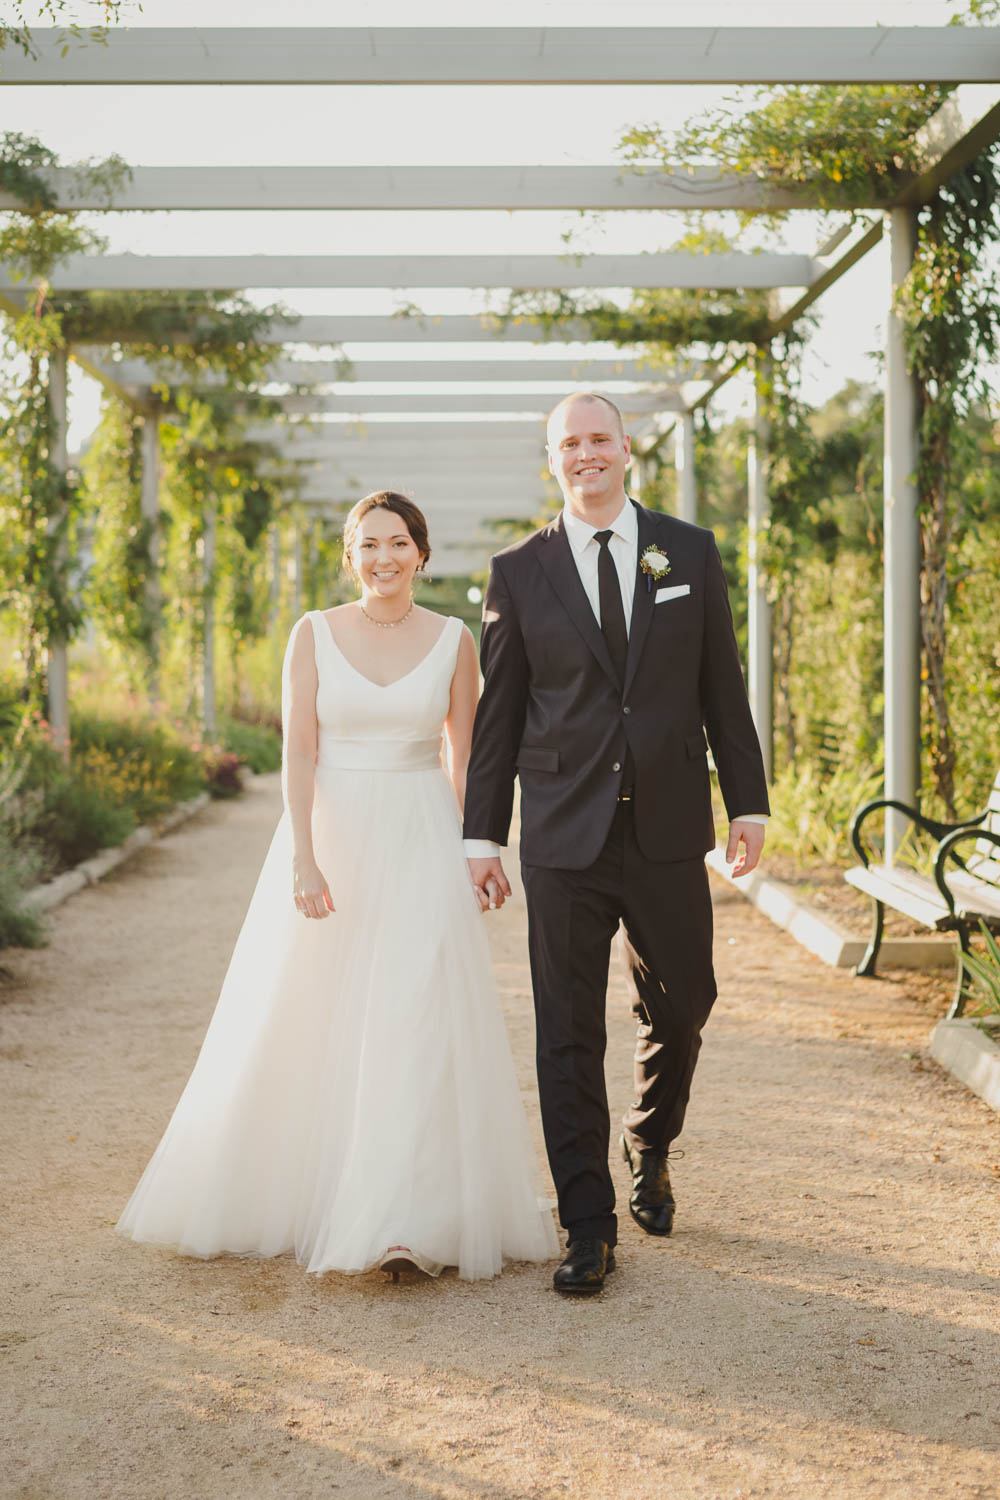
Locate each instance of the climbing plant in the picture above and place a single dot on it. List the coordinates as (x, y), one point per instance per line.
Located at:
(950, 304)
(184, 336)
(844, 146)
(15, 29)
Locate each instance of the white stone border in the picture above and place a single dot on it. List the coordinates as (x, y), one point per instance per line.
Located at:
(44, 897)
(970, 1055)
(820, 934)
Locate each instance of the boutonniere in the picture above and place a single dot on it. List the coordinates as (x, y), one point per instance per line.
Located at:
(655, 564)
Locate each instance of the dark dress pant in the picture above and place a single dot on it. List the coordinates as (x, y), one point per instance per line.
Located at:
(573, 916)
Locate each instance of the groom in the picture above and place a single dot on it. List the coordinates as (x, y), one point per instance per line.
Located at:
(608, 652)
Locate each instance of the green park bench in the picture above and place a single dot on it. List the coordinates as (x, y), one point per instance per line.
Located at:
(964, 888)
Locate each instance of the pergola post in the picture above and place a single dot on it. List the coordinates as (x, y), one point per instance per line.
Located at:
(297, 569)
(636, 476)
(275, 568)
(57, 662)
(208, 621)
(150, 509)
(901, 599)
(687, 481)
(760, 662)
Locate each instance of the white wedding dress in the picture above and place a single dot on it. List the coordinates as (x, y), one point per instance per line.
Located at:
(355, 1090)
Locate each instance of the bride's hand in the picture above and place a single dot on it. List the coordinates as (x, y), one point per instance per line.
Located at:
(310, 891)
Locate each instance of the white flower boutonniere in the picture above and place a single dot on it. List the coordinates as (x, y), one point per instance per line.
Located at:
(655, 564)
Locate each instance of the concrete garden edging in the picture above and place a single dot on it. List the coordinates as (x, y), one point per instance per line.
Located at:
(971, 1055)
(820, 934)
(53, 892)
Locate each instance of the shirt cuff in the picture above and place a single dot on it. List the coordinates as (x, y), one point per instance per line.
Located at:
(481, 849)
(751, 818)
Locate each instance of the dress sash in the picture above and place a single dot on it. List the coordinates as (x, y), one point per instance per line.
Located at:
(379, 755)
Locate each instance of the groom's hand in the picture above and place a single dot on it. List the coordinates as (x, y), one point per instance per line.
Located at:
(751, 836)
(492, 885)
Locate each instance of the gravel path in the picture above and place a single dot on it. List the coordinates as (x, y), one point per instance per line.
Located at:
(824, 1322)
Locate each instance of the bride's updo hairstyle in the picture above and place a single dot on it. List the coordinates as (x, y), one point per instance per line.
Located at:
(411, 516)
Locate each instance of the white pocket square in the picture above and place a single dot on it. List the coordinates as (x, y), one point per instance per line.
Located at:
(678, 590)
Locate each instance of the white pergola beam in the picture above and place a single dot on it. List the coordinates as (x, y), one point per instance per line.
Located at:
(390, 432)
(514, 55)
(522, 403)
(452, 328)
(434, 456)
(81, 273)
(392, 188)
(388, 371)
(480, 490)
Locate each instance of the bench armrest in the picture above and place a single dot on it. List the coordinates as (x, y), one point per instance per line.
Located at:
(939, 830)
(946, 851)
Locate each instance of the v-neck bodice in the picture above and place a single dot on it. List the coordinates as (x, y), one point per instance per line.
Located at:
(370, 726)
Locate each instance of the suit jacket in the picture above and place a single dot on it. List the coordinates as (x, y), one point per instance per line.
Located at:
(553, 714)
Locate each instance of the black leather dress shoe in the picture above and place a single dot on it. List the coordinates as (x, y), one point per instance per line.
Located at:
(651, 1202)
(585, 1267)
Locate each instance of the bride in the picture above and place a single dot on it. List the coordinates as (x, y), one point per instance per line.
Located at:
(354, 1100)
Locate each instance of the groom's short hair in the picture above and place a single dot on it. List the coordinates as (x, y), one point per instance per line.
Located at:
(588, 396)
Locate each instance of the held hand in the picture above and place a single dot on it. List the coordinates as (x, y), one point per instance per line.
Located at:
(490, 882)
(310, 891)
(751, 836)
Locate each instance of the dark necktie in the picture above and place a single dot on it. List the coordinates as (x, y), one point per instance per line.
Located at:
(610, 600)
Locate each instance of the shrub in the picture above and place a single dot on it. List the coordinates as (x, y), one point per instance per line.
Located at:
(137, 765)
(257, 745)
(20, 863)
(77, 820)
(222, 772)
(811, 811)
(983, 969)
(20, 926)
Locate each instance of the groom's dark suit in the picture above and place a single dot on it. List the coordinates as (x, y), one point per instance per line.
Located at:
(554, 714)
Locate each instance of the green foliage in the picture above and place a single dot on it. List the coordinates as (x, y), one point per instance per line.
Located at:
(117, 591)
(222, 773)
(38, 506)
(77, 819)
(983, 972)
(255, 745)
(37, 237)
(20, 925)
(182, 334)
(137, 764)
(16, 32)
(850, 145)
(811, 811)
(949, 303)
(20, 862)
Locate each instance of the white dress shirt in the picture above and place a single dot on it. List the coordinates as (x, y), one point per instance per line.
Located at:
(624, 548)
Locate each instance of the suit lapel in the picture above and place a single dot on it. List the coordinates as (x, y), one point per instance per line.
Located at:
(557, 561)
(642, 599)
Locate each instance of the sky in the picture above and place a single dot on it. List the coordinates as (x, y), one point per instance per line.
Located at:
(432, 125)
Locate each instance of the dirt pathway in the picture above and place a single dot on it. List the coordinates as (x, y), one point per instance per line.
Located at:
(824, 1322)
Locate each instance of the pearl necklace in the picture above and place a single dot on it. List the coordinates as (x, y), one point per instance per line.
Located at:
(387, 624)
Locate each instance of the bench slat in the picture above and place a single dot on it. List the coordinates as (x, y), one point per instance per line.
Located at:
(972, 897)
(904, 891)
(986, 867)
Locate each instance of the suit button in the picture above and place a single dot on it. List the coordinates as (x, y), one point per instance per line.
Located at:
(617, 766)
(626, 709)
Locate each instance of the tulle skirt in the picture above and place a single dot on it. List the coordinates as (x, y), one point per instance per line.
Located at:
(355, 1089)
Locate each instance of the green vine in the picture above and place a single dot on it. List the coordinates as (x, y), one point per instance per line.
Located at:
(845, 147)
(16, 32)
(182, 336)
(951, 312)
